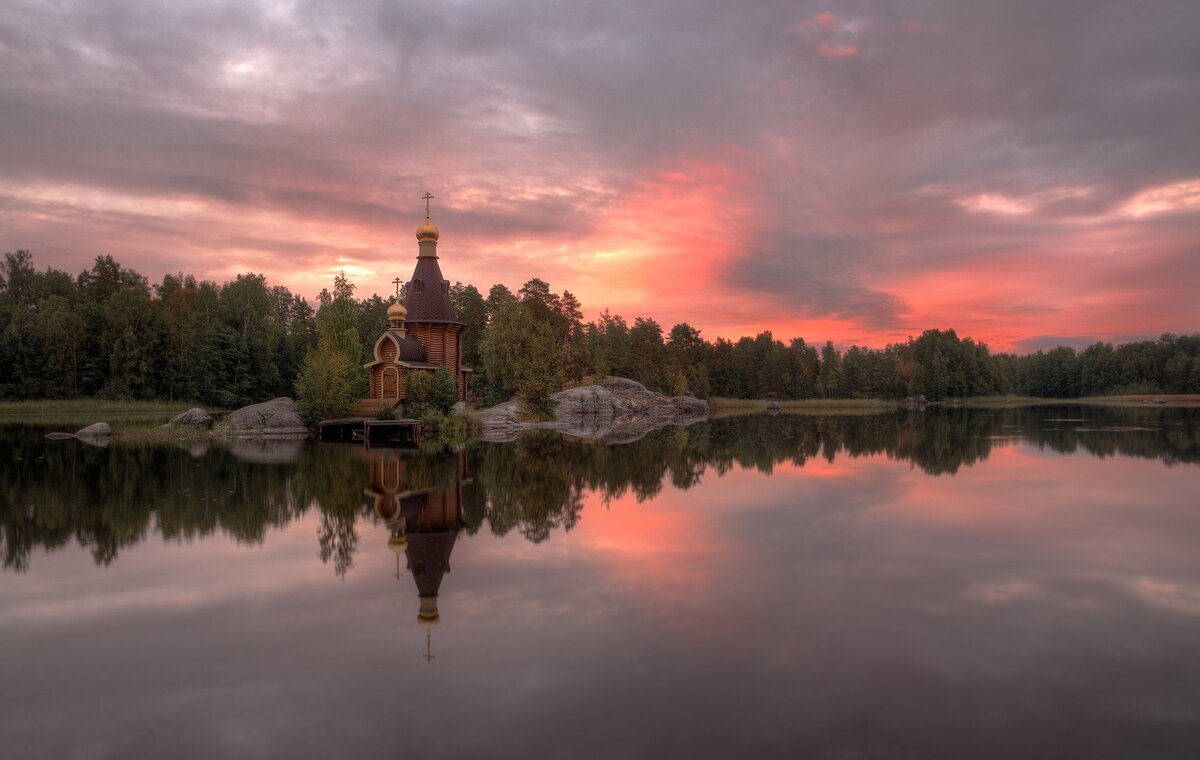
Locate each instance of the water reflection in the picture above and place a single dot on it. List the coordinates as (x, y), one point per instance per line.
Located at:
(113, 498)
(422, 509)
(1027, 586)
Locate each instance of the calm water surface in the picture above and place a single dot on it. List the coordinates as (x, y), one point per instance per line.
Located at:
(950, 584)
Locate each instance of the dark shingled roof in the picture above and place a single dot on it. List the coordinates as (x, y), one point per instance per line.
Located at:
(411, 349)
(429, 558)
(428, 295)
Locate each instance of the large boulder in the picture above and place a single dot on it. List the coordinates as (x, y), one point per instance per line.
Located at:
(277, 418)
(195, 417)
(96, 430)
(632, 399)
(501, 415)
(615, 411)
(590, 403)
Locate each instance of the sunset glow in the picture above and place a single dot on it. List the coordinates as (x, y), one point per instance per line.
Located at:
(851, 173)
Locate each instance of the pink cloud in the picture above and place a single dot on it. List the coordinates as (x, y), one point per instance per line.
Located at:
(1165, 199)
(837, 51)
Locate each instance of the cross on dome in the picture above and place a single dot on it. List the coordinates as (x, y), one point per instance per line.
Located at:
(427, 233)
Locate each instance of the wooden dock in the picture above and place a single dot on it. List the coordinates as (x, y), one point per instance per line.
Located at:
(371, 432)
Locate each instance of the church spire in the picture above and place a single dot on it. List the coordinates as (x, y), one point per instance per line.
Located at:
(427, 234)
(428, 293)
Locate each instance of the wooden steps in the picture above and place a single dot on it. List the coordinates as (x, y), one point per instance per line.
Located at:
(369, 407)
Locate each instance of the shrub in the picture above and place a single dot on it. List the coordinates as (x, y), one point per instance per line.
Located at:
(431, 392)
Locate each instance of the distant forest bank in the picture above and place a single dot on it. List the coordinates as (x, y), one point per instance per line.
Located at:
(108, 333)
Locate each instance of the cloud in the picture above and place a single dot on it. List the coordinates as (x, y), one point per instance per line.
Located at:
(996, 204)
(814, 276)
(931, 138)
(1177, 196)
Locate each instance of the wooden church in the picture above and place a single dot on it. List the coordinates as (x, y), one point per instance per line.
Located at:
(423, 331)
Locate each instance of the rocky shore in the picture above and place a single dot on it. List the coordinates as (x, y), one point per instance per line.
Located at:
(277, 418)
(616, 411)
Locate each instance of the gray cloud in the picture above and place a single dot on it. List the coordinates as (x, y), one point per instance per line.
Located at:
(549, 113)
(816, 276)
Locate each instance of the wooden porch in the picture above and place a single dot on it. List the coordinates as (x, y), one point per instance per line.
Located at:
(371, 432)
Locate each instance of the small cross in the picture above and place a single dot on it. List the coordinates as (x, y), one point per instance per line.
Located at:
(428, 644)
(426, 198)
(396, 282)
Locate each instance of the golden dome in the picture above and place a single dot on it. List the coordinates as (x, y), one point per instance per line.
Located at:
(397, 544)
(427, 232)
(397, 311)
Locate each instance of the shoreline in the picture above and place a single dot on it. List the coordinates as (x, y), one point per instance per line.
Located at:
(143, 421)
(869, 406)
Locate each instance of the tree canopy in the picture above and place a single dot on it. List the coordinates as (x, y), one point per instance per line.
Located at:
(107, 332)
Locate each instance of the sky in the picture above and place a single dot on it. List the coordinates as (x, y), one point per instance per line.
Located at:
(1025, 172)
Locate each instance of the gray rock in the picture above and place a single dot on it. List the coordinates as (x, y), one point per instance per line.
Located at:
(195, 417)
(591, 403)
(277, 418)
(96, 430)
(616, 411)
(501, 415)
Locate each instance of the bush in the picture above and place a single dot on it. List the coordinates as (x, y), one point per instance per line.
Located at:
(457, 428)
(431, 392)
(432, 420)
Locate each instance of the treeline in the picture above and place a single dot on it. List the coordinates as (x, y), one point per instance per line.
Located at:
(108, 332)
(539, 337)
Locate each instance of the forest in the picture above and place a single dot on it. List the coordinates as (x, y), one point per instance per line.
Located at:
(109, 333)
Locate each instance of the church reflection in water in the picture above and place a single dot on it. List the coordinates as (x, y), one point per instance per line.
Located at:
(422, 509)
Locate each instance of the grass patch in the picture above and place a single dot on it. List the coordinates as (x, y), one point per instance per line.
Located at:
(732, 407)
(812, 403)
(91, 406)
(452, 428)
(1189, 400)
(725, 407)
(832, 404)
(1138, 400)
(84, 411)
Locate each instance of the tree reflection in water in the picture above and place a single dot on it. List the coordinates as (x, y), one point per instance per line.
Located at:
(107, 499)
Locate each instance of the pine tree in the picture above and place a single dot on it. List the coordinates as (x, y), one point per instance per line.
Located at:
(333, 377)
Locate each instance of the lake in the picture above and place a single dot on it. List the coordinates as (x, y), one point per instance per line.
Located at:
(1019, 583)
